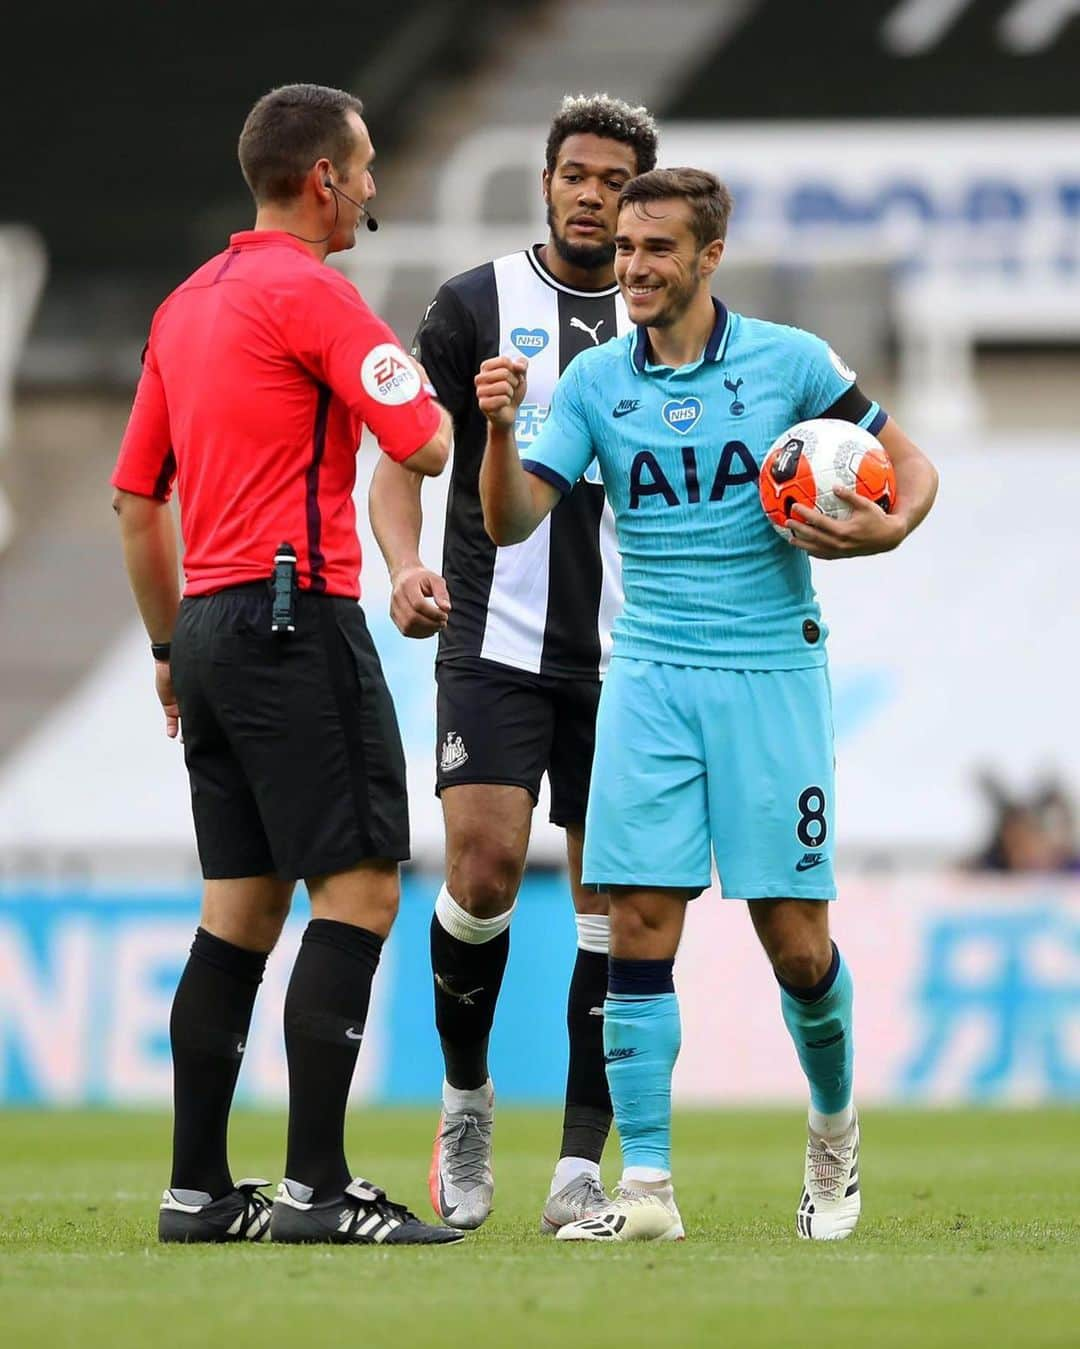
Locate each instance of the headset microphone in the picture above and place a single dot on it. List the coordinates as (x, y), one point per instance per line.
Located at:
(369, 219)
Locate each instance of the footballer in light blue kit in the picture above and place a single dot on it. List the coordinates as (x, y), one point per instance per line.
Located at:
(714, 734)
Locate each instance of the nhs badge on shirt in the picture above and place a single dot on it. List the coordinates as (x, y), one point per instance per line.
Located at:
(682, 414)
(529, 341)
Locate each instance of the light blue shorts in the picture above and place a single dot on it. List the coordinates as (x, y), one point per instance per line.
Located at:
(735, 763)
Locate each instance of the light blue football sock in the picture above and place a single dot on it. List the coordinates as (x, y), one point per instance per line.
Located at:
(642, 1035)
(819, 1020)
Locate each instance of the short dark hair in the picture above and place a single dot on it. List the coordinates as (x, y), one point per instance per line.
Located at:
(602, 115)
(710, 201)
(287, 130)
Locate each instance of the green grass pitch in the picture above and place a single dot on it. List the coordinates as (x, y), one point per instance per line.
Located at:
(970, 1236)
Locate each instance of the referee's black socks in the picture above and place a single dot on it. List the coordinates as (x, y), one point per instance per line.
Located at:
(208, 1028)
(326, 1007)
(468, 959)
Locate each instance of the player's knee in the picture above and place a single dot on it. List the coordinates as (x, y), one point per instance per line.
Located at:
(365, 896)
(485, 881)
(382, 907)
(269, 925)
(639, 932)
(278, 908)
(802, 963)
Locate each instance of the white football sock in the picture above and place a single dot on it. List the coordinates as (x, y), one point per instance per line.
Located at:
(593, 932)
(646, 1177)
(478, 1101)
(456, 920)
(569, 1168)
(832, 1126)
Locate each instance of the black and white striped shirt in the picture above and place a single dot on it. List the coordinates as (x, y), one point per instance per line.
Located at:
(545, 605)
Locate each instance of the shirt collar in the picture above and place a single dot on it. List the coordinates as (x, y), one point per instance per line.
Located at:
(250, 238)
(714, 347)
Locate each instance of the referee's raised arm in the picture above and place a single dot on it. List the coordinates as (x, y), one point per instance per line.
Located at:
(260, 374)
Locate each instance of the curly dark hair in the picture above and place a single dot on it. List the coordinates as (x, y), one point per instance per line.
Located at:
(287, 130)
(602, 115)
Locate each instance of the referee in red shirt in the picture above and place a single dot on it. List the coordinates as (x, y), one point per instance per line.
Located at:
(260, 373)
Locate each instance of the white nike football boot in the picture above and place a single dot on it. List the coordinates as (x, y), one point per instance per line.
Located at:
(830, 1203)
(460, 1181)
(632, 1215)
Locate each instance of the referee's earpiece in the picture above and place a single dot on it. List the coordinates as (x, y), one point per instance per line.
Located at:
(369, 219)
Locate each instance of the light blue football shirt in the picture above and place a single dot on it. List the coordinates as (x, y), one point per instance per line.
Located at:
(707, 579)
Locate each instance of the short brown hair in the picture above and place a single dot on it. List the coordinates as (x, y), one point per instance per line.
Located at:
(709, 199)
(287, 130)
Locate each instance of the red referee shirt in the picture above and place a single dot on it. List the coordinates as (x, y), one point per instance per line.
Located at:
(259, 375)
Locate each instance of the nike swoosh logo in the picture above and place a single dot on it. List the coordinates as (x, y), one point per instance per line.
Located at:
(351, 1034)
(808, 863)
(447, 1210)
(622, 412)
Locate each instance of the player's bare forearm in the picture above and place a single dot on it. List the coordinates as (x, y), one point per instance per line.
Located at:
(396, 513)
(916, 477)
(514, 501)
(430, 459)
(419, 600)
(150, 557)
(869, 530)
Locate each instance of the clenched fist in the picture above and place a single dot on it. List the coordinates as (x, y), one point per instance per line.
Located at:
(419, 602)
(500, 387)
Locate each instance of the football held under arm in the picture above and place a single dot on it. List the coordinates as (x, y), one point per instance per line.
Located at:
(831, 391)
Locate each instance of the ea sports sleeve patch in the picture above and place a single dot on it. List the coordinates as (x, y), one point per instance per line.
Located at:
(351, 349)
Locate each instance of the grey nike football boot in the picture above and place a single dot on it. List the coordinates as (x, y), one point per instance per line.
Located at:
(579, 1198)
(460, 1180)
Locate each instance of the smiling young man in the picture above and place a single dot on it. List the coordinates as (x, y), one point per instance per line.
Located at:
(714, 735)
(521, 651)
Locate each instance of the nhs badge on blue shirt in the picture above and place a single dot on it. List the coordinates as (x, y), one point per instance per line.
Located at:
(529, 341)
(682, 414)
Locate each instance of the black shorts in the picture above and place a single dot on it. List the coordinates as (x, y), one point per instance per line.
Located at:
(291, 742)
(501, 725)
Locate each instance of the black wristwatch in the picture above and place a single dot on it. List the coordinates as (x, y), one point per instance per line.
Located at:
(161, 651)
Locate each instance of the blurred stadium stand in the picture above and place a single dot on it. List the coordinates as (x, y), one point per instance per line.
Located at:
(888, 58)
(23, 268)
